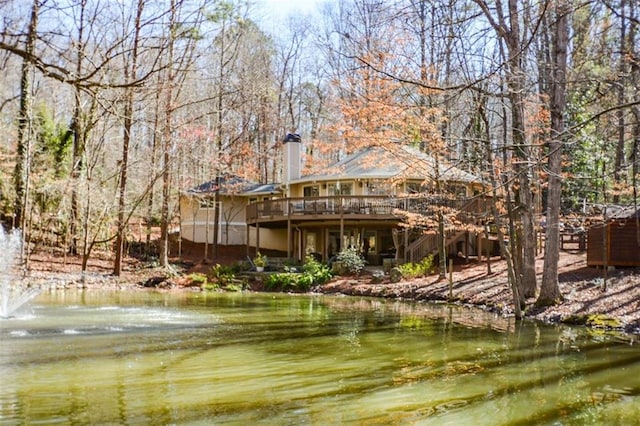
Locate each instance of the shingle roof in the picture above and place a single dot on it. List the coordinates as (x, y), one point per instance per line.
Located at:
(232, 184)
(390, 162)
(622, 212)
(376, 162)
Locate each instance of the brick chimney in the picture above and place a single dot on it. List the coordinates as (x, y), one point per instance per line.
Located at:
(292, 147)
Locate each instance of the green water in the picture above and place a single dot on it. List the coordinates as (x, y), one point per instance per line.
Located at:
(191, 358)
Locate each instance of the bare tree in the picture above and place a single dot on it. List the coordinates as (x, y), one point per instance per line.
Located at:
(506, 21)
(550, 291)
(131, 70)
(25, 122)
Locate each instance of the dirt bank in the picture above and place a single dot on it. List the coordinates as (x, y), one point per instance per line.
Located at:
(582, 287)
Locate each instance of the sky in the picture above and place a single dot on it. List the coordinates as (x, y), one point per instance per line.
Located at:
(278, 10)
(284, 7)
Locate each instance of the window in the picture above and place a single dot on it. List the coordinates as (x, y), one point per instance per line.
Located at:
(369, 243)
(311, 191)
(207, 202)
(340, 188)
(379, 188)
(311, 243)
(457, 189)
(413, 188)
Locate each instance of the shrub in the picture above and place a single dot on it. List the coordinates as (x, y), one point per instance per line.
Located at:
(235, 287)
(209, 286)
(222, 275)
(351, 260)
(318, 272)
(197, 279)
(281, 280)
(314, 273)
(415, 270)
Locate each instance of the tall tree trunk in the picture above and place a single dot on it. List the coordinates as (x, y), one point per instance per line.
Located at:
(78, 129)
(219, 142)
(126, 139)
(153, 164)
(635, 83)
(523, 167)
(25, 122)
(508, 29)
(550, 290)
(166, 142)
(505, 249)
(622, 69)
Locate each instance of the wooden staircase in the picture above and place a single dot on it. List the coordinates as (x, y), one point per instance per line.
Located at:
(428, 245)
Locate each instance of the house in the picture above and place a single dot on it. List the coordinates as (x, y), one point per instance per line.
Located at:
(358, 201)
(616, 242)
(233, 194)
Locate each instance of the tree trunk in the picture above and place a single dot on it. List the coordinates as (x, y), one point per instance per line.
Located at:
(518, 300)
(550, 290)
(25, 123)
(618, 171)
(166, 143)
(78, 130)
(152, 166)
(507, 28)
(127, 125)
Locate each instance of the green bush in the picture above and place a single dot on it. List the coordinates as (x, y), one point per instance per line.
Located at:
(351, 260)
(318, 272)
(210, 286)
(415, 270)
(221, 276)
(281, 281)
(235, 287)
(314, 273)
(197, 279)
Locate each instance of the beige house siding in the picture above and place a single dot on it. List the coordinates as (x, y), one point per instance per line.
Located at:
(233, 234)
(270, 239)
(197, 222)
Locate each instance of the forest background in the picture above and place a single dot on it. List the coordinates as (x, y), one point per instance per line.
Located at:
(109, 109)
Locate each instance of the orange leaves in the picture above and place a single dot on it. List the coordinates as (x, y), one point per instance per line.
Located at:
(377, 110)
(538, 118)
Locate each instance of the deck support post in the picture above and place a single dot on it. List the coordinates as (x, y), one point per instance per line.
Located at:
(289, 238)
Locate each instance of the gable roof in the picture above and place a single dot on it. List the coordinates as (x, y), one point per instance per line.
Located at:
(378, 162)
(233, 185)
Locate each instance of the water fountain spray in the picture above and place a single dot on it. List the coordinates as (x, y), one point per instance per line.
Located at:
(13, 293)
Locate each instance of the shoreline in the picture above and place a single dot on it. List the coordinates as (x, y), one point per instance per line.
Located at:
(584, 302)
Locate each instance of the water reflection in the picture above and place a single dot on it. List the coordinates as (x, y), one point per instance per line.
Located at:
(193, 358)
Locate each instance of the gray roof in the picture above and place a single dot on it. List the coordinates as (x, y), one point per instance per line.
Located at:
(232, 184)
(622, 212)
(394, 161)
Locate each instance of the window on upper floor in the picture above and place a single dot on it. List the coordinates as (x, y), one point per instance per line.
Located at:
(340, 188)
(311, 191)
(207, 202)
(413, 188)
(457, 189)
(379, 188)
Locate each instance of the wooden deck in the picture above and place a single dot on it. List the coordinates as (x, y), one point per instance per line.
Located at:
(278, 211)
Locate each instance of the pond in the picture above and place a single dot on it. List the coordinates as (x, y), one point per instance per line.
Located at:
(199, 358)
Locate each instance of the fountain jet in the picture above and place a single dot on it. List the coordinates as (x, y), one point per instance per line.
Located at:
(13, 293)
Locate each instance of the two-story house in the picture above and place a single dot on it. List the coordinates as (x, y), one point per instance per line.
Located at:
(357, 201)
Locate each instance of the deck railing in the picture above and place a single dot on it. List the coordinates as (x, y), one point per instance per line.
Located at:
(378, 205)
